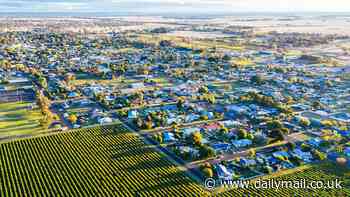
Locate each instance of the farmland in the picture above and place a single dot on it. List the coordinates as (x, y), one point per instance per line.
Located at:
(89, 162)
(111, 161)
(17, 119)
(325, 172)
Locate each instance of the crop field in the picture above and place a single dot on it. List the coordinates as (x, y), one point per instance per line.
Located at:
(16, 119)
(112, 161)
(89, 162)
(327, 172)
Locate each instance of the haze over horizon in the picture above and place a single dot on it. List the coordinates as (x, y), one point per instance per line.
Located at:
(172, 6)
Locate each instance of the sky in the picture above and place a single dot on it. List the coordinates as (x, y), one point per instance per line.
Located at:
(175, 6)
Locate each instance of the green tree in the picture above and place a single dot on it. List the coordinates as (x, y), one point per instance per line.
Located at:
(242, 133)
(196, 138)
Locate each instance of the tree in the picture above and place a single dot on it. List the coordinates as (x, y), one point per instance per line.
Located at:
(289, 100)
(305, 122)
(69, 77)
(197, 138)
(180, 103)
(43, 82)
(305, 147)
(319, 155)
(250, 136)
(291, 145)
(277, 134)
(242, 133)
(285, 131)
(159, 138)
(258, 79)
(149, 124)
(73, 118)
(328, 123)
(224, 130)
(317, 105)
(260, 140)
(252, 152)
(203, 90)
(139, 122)
(207, 170)
(268, 169)
(206, 152)
(210, 98)
(275, 124)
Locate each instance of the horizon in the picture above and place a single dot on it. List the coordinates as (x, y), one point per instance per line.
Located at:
(175, 15)
(158, 7)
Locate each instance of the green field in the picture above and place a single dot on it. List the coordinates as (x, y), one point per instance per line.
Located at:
(16, 119)
(89, 162)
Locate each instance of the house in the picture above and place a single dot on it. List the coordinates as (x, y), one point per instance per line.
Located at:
(175, 119)
(192, 151)
(305, 156)
(76, 126)
(314, 142)
(223, 172)
(72, 95)
(212, 127)
(221, 147)
(241, 143)
(96, 113)
(343, 117)
(105, 120)
(230, 123)
(236, 109)
(169, 107)
(191, 117)
(210, 115)
(247, 162)
(132, 114)
(168, 137)
(103, 69)
(137, 85)
(18, 80)
(321, 113)
(189, 131)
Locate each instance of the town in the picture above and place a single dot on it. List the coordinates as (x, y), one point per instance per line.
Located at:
(235, 106)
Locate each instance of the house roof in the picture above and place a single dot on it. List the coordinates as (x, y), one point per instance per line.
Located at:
(247, 162)
(280, 153)
(242, 142)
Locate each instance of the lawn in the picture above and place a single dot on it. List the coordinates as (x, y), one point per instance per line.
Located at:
(17, 119)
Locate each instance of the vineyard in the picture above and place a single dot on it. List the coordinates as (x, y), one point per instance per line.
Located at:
(89, 162)
(325, 172)
(110, 161)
